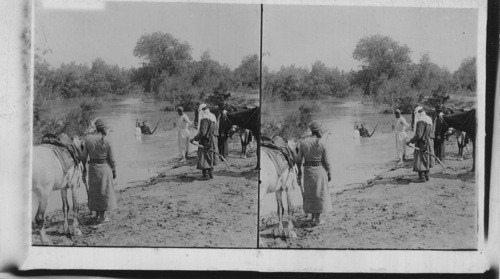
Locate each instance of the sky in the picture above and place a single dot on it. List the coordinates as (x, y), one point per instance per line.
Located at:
(300, 35)
(297, 35)
(229, 31)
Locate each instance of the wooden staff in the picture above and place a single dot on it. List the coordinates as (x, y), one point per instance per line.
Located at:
(437, 159)
(374, 129)
(222, 157)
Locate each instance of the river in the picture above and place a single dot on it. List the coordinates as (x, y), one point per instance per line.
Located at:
(139, 158)
(353, 161)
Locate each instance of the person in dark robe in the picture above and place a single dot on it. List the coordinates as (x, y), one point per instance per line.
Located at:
(145, 128)
(208, 141)
(101, 170)
(222, 136)
(437, 125)
(422, 160)
(317, 173)
(363, 132)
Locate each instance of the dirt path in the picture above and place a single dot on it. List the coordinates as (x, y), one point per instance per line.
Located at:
(393, 212)
(177, 209)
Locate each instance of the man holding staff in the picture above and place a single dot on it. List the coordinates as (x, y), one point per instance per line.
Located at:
(424, 149)
(207, 159)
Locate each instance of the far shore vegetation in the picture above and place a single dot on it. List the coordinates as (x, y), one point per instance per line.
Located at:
(168, 74)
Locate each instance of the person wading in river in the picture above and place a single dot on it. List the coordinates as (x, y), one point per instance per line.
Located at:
(363, 132)
(102, 171)
(145, 128)
(206, 138)
(184, 136)
(316, 174)
(422, 161)
(399, 128)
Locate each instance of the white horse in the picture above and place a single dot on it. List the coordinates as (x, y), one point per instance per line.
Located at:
(271, 181)
(48, 176)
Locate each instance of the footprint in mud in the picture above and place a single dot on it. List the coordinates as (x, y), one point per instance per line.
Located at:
(401, 180)
(186, 178)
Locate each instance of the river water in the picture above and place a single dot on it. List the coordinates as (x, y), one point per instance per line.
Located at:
(137, 157)
(353, 161)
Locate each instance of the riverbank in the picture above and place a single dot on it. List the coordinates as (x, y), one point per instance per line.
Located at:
(176, 209)
(391, 211)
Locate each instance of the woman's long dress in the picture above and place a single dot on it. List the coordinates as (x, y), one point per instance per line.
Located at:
(102, 195)
(316, 194)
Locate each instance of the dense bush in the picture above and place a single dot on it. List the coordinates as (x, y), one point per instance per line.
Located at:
(293, 126)
(75, 123)
(296, 83)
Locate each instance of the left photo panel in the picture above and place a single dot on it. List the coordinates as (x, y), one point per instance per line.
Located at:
(144, 124)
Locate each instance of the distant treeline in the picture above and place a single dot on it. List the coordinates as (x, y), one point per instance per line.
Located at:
(386, 74)
(167, 73)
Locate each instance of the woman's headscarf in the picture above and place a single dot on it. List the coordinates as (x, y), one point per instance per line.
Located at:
(209, 115)
(421, 116)
(315, 126)
(200, 114)
(204, 112)
(100, 124)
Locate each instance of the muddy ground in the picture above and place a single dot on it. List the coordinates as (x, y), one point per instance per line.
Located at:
(391, 211)
(176, 209)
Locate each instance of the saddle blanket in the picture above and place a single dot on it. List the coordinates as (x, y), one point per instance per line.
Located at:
(278, 159)
(278, 144)
(63, 155)
(68, 154)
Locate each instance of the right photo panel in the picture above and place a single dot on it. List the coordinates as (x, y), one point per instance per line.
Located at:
(368, 128)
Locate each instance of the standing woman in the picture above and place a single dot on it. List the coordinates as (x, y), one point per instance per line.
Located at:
(102, 171)
(206, 138)
(316, 174)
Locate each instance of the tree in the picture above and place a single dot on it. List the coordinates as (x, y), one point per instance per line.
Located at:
(162, 53)
(71, 79)
(380, 56)
(97, 79)
(247, 73)
(323, 81)
(287, 84)
(429, 78)
(465, 76)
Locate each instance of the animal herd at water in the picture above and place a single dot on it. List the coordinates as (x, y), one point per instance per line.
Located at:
(277, 175)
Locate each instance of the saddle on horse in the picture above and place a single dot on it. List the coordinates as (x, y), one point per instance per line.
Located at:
(277, 143)
(66, 151)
